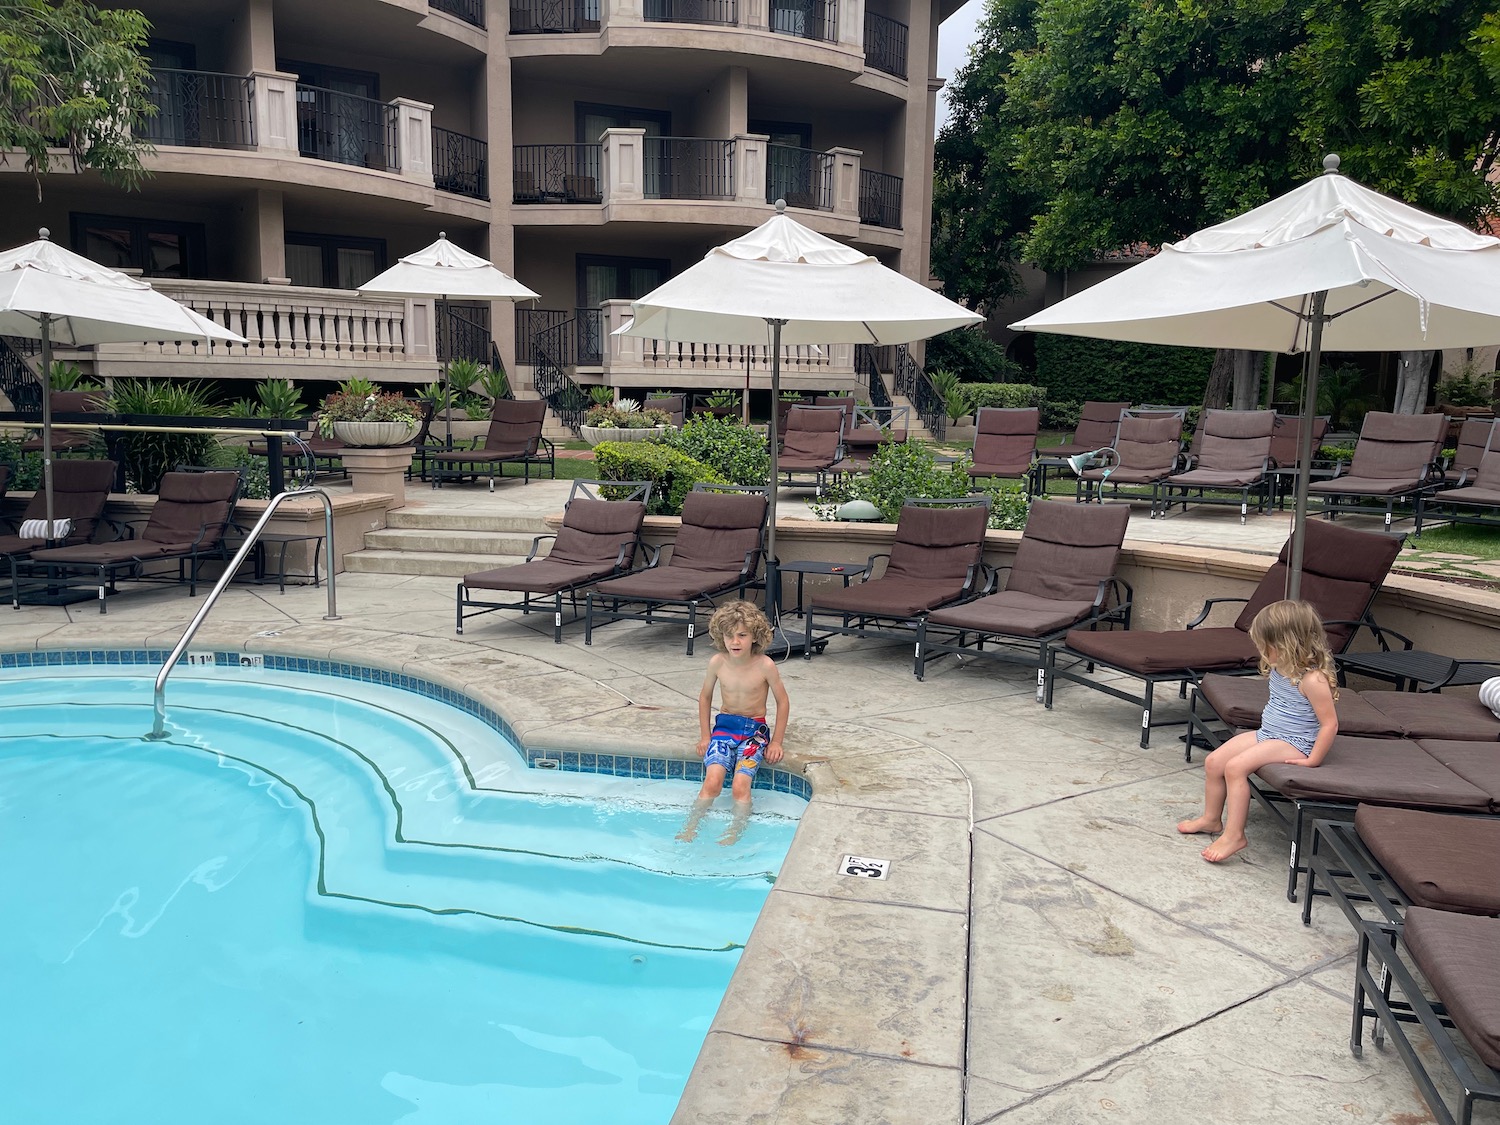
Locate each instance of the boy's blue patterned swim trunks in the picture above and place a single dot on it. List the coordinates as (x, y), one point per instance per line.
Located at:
(737, 743)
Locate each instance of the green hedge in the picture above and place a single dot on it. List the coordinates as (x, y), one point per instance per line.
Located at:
(1010, 396)
(672, 474)
(972, 356)
(1079, 369)
(736, 451)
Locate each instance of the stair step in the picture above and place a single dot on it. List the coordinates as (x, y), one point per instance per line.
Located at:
(451, 541)
(410, 518)
(434, 564)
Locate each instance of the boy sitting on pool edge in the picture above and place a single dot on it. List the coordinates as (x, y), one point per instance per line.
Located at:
(735, 743)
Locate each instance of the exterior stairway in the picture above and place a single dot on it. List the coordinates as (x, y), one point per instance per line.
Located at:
(446, 544)
(916, 429)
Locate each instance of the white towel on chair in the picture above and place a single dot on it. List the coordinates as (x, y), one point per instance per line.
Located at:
(1489, 695)
(37, 529)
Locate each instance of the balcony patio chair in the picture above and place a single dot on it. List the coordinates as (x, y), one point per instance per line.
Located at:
(1063, 576)
(1476, 503)
(65, 442)
(1286, 448)
(598, 539)
(79, 491)
(515, 435)
(1146, 451)
(1396, 459)
(524, 185)
(717, 551)
(1232, 455)
(1456, 955)
(934, 562)
(581, 189)
(812, 443)
(673, 405)
(1341, 573)
(186, 525)
(1005, 443)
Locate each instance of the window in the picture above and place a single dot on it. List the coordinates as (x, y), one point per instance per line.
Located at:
(323, 261)
(591, 121)
(607, 278)
(156, 247)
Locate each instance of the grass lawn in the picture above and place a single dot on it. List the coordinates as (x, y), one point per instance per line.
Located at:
(1458, 539)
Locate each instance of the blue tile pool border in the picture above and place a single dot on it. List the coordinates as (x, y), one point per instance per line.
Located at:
(567, 761)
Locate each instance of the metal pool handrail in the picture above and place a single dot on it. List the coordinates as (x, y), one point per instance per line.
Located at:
(158, 702)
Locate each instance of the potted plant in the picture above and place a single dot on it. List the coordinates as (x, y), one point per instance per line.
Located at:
(722, 403)
(625, 421)
(376, 419)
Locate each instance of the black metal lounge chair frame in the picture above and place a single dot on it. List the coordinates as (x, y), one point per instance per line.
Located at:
(820, 476)
(1087, 491)
(494, 468)
(689, 607)
(1336, 854)
(1372, 998)
(638, 490)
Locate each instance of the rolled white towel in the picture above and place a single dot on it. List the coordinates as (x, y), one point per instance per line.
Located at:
(1489, 695)
(37, 529)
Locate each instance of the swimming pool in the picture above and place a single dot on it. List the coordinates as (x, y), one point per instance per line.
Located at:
(328, 900)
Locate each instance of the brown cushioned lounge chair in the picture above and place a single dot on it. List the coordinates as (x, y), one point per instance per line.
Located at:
(813, 442)
(1063, 576)
(1147, 451)
(187, 524)
(674, 406)
(935, 561)
(1476, 436)
(1098, 426)
(717, 551)
(66, 441)
(1005, 443)
(79, 491)
(598, 539)
(515, 435)
(1395, 459)
(1341, 572)
(1456, 955)
(1286, 448)
(1478, 503)
(1232, 454)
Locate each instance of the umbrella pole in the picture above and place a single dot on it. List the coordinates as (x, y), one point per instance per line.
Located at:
(773, 574)
(47, 418)
(442, 303)
(1304, 443)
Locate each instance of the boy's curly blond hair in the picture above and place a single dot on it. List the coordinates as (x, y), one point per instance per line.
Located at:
(733, 616)
(1295, 631)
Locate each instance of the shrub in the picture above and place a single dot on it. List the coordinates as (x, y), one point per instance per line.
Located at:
(150, 456)
(1061, 415)
(973, 356)
(903, 469)
(633, 419)
(733, 450)
(671, 472)
(1011, 396)
(255, 472)
(1466, 387)
(1073, 367)
(25, 469)
(1334, 453)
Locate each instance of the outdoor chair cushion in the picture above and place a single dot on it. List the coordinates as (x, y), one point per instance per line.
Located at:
(1098, 424)
(1352, 485)
(1004, 442)
(1013, 613)
(587, 547)
(1473, 495)
(112, 554)
(929, 564)
(1146, 450)
(1067, 550)
(1441, 861)
(1239, 701)
(1128, 476)
(515, 430)
(1286, 439)
(669, 583)
(1215, 478)
(1457, 953)
(79, 492)
(718, 530)
(190, 505)
(1231, 448)
(1149, 654)
(1386, 771)
(1478, 763)
(888, 597)
(1429, 715)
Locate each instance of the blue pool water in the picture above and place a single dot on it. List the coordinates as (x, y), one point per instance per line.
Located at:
(334, 903)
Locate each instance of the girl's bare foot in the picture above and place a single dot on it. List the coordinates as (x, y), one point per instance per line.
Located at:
(1224, 847)
(1199, 825)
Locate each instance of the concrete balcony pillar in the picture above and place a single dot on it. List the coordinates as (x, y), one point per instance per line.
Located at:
(413, 139)
(846, 163)
(852, 24)
(755, 13)
(750, 167)
(619, 350)
(273, 94)
(420, 338)
(620, 13)
(624, 165)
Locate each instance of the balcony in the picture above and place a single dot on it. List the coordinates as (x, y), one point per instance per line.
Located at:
(556, 173)
(568, 337)
(720, 13)
(200, 109)
(346, 129)
(551, 17)
(879, 199)
(800, 176)
(460, 164)
(885, 44)
(470, 11)
(806, 19)
(688, 168)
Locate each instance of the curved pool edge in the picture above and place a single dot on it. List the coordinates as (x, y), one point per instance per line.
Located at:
(849, 1000)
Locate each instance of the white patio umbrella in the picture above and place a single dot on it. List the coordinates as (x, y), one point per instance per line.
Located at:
(56, 296)
(443, 272)
(1330, 264)
(785, 284)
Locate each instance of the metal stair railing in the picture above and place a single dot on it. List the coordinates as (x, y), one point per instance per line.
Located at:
(158, 701)
(868, 372)
(912, 382)
(21, 384)
(563, 396)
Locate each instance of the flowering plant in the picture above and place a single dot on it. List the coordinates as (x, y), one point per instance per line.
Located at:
(375, 407)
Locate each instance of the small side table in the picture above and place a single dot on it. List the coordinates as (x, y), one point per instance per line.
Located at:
(846, 571)
(1408, 669)
(262, 556)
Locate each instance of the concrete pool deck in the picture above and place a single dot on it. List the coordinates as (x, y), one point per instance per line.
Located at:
(1046, 947)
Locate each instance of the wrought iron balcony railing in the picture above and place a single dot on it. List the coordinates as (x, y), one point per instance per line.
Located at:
(200, 109)
(688, 168)
(542, 17)
(879, 199)
(460, 164)
(556, 173)
(470, 11)
(806, 19)
(885, 44)
(718, 12)
(801, 176)
(346, 128)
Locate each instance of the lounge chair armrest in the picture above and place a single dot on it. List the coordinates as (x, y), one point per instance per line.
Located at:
(870, 564)
(751, 563)
(1106, 455)
(625, 554)
(974, 580)
(1458, 665)
(1184, 462)
(1379, 632)
(1207, 606)
(1339, 469)
(1464, 476)
(652, 551)
(994, 580)
(536, 545)
(1124, 593)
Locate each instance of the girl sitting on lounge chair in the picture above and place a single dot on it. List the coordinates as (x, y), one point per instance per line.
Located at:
(1296, 728)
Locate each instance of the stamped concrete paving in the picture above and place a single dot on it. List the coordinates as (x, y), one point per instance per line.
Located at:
(1046, 949)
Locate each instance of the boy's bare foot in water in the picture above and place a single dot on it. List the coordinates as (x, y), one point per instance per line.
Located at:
(1222, 848)
(1200, 825)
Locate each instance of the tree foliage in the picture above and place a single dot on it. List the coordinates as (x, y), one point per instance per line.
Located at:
(73, 77)
(1079, 127)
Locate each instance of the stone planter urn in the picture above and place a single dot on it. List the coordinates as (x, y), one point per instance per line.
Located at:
(595, 434)
(373, 434)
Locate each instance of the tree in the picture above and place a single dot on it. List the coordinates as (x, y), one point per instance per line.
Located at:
(73, 77)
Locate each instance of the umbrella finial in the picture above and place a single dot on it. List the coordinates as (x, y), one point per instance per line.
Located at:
(781, 206)
(1331, 163)
(44, 234)
(443, 234)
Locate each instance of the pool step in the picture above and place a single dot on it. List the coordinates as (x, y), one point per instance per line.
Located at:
(447, 544)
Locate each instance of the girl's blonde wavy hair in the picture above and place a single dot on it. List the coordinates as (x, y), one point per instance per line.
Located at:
(1295, 631)
(740, 615)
